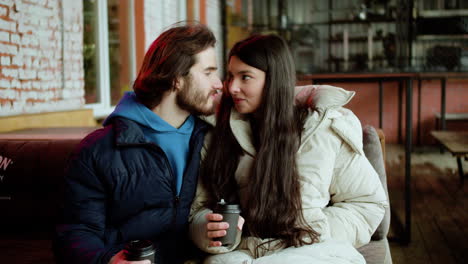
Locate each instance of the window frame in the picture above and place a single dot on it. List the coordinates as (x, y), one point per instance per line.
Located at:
(103, 107)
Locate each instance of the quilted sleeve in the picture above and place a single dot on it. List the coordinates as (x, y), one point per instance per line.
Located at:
(342, 194)
(358, 200)
(82, 235)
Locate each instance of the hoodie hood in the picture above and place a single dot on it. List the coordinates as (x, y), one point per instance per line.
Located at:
(129, 107)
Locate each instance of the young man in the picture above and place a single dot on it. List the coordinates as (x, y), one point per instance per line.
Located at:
(135, 178)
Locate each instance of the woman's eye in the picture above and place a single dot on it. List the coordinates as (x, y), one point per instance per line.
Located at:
(246, 77)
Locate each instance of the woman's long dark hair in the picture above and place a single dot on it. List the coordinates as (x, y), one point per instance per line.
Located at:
(274, 209)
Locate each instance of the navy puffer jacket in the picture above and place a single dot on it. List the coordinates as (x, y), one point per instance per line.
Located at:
(118, 188)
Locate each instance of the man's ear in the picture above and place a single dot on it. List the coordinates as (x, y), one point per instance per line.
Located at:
(177, 84)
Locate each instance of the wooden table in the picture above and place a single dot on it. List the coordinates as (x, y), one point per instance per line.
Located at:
(457, 143)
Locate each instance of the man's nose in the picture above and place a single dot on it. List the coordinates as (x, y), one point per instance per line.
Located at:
(217, 84)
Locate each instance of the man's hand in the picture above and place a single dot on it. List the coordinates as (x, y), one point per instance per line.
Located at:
(304, 95)
(119, 258)
(215, 228)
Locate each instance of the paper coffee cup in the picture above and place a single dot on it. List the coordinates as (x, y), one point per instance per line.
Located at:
(230, 213)
(139, 250)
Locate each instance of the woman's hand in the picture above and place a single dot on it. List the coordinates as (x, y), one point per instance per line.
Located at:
(215, 228)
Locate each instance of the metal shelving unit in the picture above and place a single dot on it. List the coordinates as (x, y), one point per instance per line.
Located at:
(440, 41)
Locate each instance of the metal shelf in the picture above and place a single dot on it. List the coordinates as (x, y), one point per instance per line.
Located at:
(367, 21)
(441, 37)
(356, 39)
(443, 13)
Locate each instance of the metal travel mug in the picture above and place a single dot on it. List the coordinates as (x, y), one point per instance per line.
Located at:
(230, 213)
(139, 250)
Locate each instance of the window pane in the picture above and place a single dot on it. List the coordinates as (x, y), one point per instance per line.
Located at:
(118, 55)
(89, 51)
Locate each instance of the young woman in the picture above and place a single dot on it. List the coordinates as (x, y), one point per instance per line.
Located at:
(307, 192)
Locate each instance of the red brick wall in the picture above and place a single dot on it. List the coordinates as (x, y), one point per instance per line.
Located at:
(41, 63)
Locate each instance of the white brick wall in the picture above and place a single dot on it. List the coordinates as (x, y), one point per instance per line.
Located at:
(4, 36)
(41, 61)
(159, 15)
(41, 67)
(3, 11)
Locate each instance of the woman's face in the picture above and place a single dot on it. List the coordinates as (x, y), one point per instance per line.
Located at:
(245, 85)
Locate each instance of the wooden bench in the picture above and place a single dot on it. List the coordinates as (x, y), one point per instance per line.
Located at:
(457, 143)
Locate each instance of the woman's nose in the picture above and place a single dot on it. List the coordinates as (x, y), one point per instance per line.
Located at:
(233, 87)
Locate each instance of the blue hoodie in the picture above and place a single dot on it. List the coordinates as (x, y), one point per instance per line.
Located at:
(173, 141)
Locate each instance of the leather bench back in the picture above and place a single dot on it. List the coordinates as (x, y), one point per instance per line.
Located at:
(31, 175)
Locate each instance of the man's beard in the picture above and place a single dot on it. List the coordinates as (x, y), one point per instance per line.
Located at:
(193, 100)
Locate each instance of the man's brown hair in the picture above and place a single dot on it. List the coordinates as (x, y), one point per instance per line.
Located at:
(169, 57)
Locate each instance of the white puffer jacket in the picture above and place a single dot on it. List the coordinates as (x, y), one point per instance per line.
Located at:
(342, 196)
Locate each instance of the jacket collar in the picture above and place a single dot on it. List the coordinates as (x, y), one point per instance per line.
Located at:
(240, 127)
(242, 131)
(323, 97)
(128, 132)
